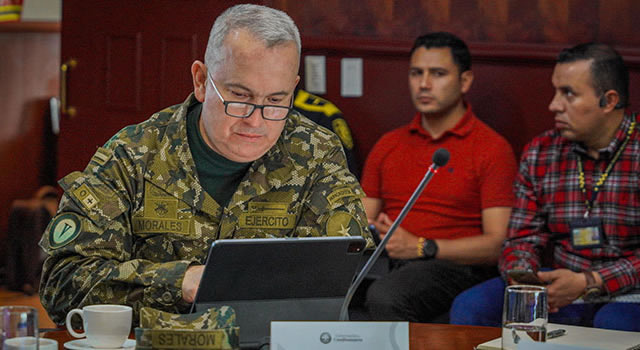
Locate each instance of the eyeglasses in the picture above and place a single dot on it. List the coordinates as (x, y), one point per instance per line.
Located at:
(244, 109)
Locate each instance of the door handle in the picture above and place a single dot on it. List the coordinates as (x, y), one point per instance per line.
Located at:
(64, 105)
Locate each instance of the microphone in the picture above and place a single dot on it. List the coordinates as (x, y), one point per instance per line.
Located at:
(440, 158)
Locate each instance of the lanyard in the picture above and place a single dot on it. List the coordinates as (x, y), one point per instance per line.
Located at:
(589, 201)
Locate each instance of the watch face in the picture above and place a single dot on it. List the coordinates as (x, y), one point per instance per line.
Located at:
(430, 249)
(591, 294)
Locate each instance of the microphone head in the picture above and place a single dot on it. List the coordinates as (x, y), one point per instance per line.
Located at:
(441, 157)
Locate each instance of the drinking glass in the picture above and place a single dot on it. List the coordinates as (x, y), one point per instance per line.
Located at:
(18, 322)
(524, 316)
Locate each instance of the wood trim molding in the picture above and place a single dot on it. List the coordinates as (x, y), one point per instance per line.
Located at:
(24, 27)
(481, 51)
(356, 45)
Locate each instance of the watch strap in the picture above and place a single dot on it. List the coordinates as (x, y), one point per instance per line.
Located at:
(591, 280)
(420, 247)
(592, 290)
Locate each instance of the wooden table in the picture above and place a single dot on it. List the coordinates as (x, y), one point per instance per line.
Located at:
(422, 336)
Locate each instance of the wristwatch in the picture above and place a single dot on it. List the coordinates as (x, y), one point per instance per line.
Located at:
(429, 249)
(592, 291)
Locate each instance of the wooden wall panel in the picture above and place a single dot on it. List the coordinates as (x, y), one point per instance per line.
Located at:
(618, 23)
(584, 20)
(172, 79)
(29, 64)
(496, 18)
(123, 74)
(513, 99)
(488, 21)
(554, 17)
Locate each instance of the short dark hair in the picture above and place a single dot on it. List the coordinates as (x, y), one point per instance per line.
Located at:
(608, 71)
(459, 49)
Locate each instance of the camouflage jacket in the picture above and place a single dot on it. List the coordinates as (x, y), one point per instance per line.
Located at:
(131, 223)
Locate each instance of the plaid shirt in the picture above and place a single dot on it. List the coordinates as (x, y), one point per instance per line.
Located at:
(548, 198)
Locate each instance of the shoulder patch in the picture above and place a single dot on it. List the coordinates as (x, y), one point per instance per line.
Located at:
(340, 193)
(313, 103)
(341, 129)
(86, 196)
(342, 223)
(64, 229)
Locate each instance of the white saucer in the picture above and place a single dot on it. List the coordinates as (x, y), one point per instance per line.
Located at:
(82, 344)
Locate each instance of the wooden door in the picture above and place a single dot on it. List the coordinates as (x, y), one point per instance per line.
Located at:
(133, 59)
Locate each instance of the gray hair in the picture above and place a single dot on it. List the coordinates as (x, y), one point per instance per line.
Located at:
(272, 26)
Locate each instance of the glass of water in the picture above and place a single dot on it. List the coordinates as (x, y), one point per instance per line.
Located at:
(524, 316)
(19, 327)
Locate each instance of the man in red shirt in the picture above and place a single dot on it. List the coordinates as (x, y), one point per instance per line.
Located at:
(451, 239)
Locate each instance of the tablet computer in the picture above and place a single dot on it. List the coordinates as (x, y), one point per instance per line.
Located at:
(278, 279)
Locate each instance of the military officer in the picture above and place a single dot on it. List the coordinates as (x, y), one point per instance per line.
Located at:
(232, 161)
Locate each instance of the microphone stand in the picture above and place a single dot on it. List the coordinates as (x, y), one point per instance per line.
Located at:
(344, 311)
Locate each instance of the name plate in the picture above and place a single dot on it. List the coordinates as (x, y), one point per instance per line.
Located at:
(187, 339)
(529, 345)
(289, 335)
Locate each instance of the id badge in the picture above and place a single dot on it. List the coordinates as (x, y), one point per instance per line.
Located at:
(586, 233)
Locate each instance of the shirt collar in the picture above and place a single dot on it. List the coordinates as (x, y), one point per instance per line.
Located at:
(612, 147)
(461, 129)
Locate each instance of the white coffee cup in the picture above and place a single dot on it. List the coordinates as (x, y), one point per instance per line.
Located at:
(105, 326)
(29, 343)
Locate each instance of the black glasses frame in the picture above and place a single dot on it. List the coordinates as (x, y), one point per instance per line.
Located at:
(252, 106)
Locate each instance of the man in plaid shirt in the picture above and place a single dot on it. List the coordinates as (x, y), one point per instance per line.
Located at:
(577, 197)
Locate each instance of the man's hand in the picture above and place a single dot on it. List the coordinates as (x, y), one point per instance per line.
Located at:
(403, 244)
(564, 287)
(191, 281)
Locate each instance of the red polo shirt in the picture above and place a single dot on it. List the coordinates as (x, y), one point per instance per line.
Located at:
(479, 175)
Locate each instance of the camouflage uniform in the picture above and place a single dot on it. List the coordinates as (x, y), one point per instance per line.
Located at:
(131, 223)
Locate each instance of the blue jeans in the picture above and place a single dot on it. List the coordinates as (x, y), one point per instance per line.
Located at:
(481, 305)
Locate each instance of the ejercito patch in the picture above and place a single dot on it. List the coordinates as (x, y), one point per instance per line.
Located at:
(267, 221)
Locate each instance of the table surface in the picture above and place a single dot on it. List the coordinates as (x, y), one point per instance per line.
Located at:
(422, 336)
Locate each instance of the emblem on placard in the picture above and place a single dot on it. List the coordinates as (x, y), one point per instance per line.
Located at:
(325, 338)
(64, 229)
